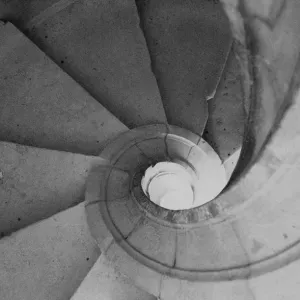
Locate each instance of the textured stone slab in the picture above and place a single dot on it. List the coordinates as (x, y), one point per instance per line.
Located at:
(47, 260)
(100, 44)
(270, 225)
(37, 183)
(143, 277)
(188, 44)
(209, 248)
(238, 196)
(231, 161)
(105, 283)
(286, 141)
(125, 215)
(155, 149)
(95, 192)
(274, 46)
(283, 284)
(42, 106)
(225, 124)
(155, 242)
(23, 13)
(175, 289)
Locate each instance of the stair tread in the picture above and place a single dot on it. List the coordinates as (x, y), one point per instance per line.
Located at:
(21, 12)
(274, 81)
(280, 284)
(47, 260)
(106, 283)
(225, 125)
(188, 44)
(36, 183)
(100, 44)
(43, 106)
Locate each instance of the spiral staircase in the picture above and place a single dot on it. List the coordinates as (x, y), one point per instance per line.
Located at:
(94, 93)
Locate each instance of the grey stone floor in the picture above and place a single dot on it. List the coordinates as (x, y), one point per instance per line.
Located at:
(104, 84)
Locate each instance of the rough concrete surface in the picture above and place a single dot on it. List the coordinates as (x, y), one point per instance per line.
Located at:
(188, 43)
(225, 125)
(47, 260)
(280, 285)
(175, 289)
(143, 276)
(102, 47)
(231, 161)
(23, 12)
(259, 236)
(42, 106)
(272, 75)
(37, 183)
(105, 283)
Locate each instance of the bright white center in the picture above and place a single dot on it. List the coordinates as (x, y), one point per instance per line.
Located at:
(169, 185)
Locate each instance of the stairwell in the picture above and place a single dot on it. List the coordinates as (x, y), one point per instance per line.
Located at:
(76, 75)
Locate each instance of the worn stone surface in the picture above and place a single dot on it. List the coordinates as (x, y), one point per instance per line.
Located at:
(209, 248)
(105, 283)
(267, 9)
(131, 158)
(188, 44)
(47, 260)
(155, 149)
(23, 12)
(269, 213)
(175, 289)
(225, 124)
(118, 185)
(155, 242)
(37, 183)
(95, 192)
(178, 147)
(286, 141)
(42, 106)
(280, 285)
(258, 176)
(142, 276)
(102, 47)
(270, 224)
(273, 49)
(231, 161)
(125, 215)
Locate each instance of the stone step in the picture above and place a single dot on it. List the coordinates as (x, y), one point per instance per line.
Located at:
(225, 125)
(36, 183)
(43, 106)
(47, 260)
(272, 84)
(101, 46)
(188, 43)
(248, 232)
(278, 285)
(106, 283)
